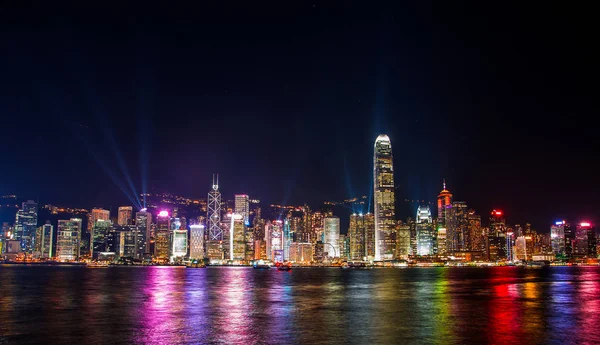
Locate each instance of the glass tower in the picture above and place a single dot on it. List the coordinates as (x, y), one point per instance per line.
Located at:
(384, 200)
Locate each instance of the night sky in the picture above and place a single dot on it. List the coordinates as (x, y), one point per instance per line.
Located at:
(285, 101)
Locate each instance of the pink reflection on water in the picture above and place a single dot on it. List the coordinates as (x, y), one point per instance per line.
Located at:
(588, 311)
(233, 322)
(163, 314)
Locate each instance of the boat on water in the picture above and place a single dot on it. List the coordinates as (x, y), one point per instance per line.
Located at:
(356, 265)
(261, 265)
(284, 266)
(96, 265)
(196, 264)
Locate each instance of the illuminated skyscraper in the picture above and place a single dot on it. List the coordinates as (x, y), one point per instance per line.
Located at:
(457, 235)
(99, 231)
(162, 236)
(68, 242)
(242, 207)
(197, 241)
(179, 243)
(476, 235)
(26, 225)
(95, 215)
(274, 240)
(586, 240)
(45, 241)
(331, 236)
(215, 232)
(402, 241)
(287, 239)
(301, 252)
(444, 201)
(357, 231)
(557, 236)
(143, 222)
(497, 237)
(425, 231)
(124, 215)
(384, 200)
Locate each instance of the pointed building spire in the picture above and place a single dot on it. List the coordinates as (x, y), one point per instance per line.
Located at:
(444, 184)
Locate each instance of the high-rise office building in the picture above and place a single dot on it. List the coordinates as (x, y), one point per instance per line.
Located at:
(99, 231)
(179, 244)
(237, 248)
(497, 238)
(44, 241)
(68, 242)
(362, 236)
(588, 245)
(242, 207)
(402, 241)
(26, 225)
(301, 252)
(162, 236)
(457, 235)
(442, 241)
(274, 240)
(384, 199)
(124, 215)
(569, 240)
(444, 201)
(557, 236)
(197, 241)
(287, 239)
(344, 245)
(215, 232)
(425, 231)
(95, 215)
(331, 236)
(125, 241)
(143, 222)
(476, 235)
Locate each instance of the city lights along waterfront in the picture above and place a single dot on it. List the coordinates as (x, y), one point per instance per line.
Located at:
(335, 172)
(182, 270)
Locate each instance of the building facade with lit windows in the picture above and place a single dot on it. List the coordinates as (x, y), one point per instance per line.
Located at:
(26, 225)
(214, 244)
(143, 222)
(444, 201)
(361, 233)
(301, 252)
(68, 241)
(425, 232)
(197, 241)
(124, 215)
(99, 232)
(403, 241)
(331, 236)
(162, 236)
(44, 240)
(557, 236)
(179, 244)
(497, 239)
(384, 198)
(242, 207)
(457, 234)
(274, 240)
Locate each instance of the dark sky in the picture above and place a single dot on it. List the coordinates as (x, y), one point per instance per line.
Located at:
(284, 102)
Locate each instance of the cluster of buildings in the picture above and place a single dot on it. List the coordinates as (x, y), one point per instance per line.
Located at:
(240, 231)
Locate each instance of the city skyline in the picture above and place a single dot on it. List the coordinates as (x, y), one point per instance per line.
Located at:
(289, 115)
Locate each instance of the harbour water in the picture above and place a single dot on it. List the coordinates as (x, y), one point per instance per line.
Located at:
(238, 305)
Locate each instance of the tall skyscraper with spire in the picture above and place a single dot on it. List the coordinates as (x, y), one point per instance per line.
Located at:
(444, 201)
(384, 199)
(215, 232)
